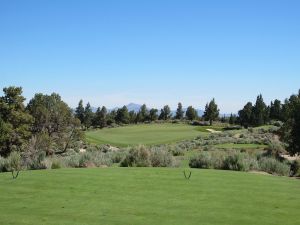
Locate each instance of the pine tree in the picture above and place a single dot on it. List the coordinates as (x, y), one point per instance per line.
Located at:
(88, 116)
(179, 112)
(191, 113)
(211, 112)
(260, 112)
(79, 112)
(245, 115)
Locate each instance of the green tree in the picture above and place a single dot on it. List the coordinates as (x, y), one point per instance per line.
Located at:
(291, 128)
(232, 119)
(276, 110)
(153, 114)
(132, 116)
(245, 115)
(211, 112)
(165, 113)
(122, 116)
(55, 126)
(260, 112)
(88, 116)
(111, 117)
(79, 112)
(15, 121)
(191, 113)
(179, 112)
(100, 118)
(144, 113)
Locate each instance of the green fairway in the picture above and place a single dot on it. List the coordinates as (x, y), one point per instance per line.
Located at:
(147, 196)
(147, 134)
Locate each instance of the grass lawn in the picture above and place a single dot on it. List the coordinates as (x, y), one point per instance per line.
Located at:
(240, 146)
(147, 134)
(147, 196)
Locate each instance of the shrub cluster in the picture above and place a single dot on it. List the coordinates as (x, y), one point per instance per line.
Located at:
(238, 161)
(141, 156)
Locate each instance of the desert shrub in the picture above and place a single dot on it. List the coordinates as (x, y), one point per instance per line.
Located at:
(233, 128)
(202, 160)
(94, 159)
(57, 163)
(117, 156)
(37, 161)
(177, 151)
(161, 158)
(273, 166)
(14, 162)
(295, 168)
(275, 148)
(224, 160)
(72, 161)
(240, 162)
(137, 156)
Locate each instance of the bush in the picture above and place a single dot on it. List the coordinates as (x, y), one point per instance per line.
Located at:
(224, 160)
(240, 162)
(137, 157)
(72, 161)
(94, 159)
(57, 163)
(144, 157)
(202, 160)
(37, 162)
(14, 161)
(273, 166)
(161, 158)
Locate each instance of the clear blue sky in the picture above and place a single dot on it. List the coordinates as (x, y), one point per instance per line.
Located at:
(155, 52)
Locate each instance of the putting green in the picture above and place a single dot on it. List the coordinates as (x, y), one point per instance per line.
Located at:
(147, 134)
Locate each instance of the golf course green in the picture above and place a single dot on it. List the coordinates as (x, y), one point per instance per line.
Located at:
(147, 134)
(151, 196)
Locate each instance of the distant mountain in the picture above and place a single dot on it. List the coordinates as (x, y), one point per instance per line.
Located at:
(131, 107)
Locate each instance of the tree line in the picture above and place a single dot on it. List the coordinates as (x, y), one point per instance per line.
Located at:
(103, 118)
(47, 123)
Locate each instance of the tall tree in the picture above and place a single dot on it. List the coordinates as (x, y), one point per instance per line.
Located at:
(179, 112)
(276, 110)
(291, 128)
(153, 114)
(260, 112)
(165, 113)
(132, 116)
(211, 112)
(232, 119)
(100, 117)
(245, 115)
(144, 114)
(79, 112)
(15, 121)
(88, 116)
(122, 116)
(54, 124)
(191, 113)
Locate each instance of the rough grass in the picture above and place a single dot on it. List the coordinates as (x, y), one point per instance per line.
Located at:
(240, 146)
(146, 134)
(147, 196)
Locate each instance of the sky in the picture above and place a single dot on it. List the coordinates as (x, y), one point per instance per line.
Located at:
(155, 52)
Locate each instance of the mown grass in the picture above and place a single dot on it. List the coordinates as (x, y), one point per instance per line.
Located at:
(147, 134)
(147, 196)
